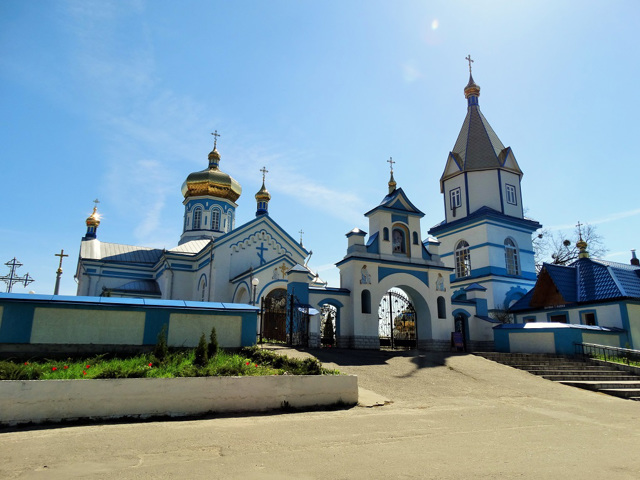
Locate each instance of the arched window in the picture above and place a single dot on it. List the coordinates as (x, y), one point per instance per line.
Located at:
(442, 308)
(229, 221)
(365, 299)
(399, 237)
(511, 257)
(197, 218)
(385, 234)
(215, 219)
(463, 259)
(415, 238)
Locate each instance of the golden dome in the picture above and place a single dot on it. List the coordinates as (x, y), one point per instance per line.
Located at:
(212, 181)
(471, 88)
(93, 220)
(263, 194)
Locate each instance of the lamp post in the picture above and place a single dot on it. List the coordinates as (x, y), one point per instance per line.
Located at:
(254, 284)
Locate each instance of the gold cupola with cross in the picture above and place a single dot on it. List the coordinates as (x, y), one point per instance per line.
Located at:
(209, 200)
(212, 180)
(263, 196)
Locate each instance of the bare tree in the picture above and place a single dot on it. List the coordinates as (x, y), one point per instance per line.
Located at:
(560, 249)
(501, 314)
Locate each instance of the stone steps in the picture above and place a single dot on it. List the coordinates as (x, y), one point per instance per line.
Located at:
(594, 376)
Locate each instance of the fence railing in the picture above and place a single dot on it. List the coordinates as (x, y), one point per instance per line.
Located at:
(609, 354)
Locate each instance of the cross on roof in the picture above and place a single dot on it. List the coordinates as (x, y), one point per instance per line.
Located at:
(579, 225)
(264, 172)
(301, 233)
(96, 201)
(215, 141)
(468, 58)
(391, 162)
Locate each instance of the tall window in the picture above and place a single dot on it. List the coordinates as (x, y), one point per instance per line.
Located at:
(455, 197)
(229, 221)
(385, 234)
(365, 300)
(511, 194)
(215, 219)
(197, 218)
(442, 307)
(463, 259)
(511, 257)
(415, 238)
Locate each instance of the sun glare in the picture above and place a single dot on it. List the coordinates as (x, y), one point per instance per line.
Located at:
(435, 24)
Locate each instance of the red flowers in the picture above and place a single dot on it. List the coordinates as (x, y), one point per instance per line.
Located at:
(150, 364)
(248, 363)
(84, 372)
(66, 366)
(53, 369)
(256, 365)
(26, 363)
(88, 366)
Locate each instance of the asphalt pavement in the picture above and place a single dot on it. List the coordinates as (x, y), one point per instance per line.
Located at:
(424, 415)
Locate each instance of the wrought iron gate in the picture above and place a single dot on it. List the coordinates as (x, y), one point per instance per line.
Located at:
(397, 321)
(285, 319)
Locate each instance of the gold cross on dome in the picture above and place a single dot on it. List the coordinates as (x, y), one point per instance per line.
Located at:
(391, 162)
(468, 58)
(96, 201)
(579, 225)
(215, 135)
(264, 172)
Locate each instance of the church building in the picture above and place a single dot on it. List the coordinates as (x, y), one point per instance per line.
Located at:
(396, 287)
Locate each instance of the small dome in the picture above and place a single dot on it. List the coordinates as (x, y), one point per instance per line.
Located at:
(263, 194)
(212, 181)
(93, 220)
(471, 89)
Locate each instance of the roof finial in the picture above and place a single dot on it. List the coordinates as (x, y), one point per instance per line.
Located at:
(301, 233)
(581, 244)
(579, 225)
(215, 141)
(264, 172)
(468, 58)
(392, 181)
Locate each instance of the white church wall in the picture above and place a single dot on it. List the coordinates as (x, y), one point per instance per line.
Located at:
(450, 185)
(483, 190)
(511, 180)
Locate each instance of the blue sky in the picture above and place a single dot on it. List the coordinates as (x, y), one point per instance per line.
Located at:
(116, 101)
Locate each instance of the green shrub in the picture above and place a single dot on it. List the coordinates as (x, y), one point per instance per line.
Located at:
(213, 343)
(161, 350)
(15, 371)
(202, 354)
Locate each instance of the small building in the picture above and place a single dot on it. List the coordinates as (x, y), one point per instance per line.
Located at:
(588, 301)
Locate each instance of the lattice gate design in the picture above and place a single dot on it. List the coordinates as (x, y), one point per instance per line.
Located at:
(397, 321)
(285, 319)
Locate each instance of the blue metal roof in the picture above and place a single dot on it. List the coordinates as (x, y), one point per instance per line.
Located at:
(589, 280)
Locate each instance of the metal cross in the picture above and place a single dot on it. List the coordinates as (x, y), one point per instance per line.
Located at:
(391, 162)
(96, 201)
(301, 233)
(264, 172)
(61, 255)
(468, 58)
(215, 135)
(12, 278)
(579, 229)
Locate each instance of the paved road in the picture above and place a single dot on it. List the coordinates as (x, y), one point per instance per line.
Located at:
(451, 417)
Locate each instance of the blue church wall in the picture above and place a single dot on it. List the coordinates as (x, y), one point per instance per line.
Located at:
(384, 272)
(42, 320)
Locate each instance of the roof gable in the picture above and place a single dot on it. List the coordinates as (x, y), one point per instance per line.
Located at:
(397, 201)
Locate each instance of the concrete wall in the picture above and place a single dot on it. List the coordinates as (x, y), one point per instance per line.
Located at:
(55, 400)
(556, 338)
(40, 324)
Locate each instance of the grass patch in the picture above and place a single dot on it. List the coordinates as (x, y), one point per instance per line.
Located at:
(182, 363)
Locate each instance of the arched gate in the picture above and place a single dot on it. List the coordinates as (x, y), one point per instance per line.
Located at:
(397, 321)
